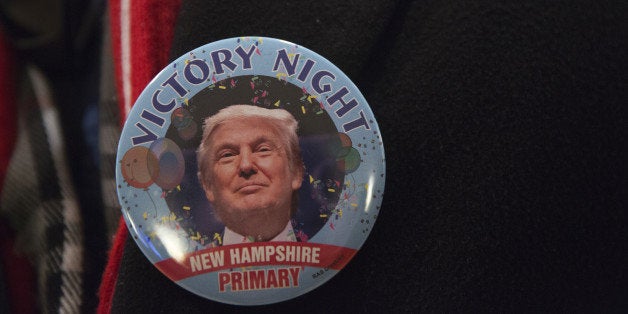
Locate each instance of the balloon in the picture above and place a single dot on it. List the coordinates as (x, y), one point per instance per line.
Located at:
(138, 167)
(181, 118)
(169, 160)
(352, 160)
(345, 140)
(188, 132)
(347, 157)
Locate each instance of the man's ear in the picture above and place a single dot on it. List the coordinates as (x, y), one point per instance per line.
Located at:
(297, 178)
(209, 193)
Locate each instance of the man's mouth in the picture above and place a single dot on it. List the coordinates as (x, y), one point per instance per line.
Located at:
(250, 187)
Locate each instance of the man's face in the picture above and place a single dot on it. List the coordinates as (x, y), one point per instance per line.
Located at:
(251, 183)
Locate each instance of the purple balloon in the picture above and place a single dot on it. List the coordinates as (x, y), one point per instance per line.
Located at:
(170, 163)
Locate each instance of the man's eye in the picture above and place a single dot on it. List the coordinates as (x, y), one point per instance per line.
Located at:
(226, 155)
(264, 148)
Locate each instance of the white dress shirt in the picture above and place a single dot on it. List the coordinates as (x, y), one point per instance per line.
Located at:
(231, 237)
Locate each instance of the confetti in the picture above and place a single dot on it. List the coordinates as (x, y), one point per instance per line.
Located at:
(196, 237)
(303, 236)
(217, 237)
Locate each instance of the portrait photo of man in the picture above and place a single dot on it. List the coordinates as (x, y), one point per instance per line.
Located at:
(250, 168)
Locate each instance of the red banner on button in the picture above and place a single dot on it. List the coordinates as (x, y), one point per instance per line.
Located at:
(256, 254)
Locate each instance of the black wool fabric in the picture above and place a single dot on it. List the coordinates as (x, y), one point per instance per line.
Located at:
(505, 133)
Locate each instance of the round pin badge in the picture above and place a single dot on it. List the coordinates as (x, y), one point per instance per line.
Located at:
(250, 170)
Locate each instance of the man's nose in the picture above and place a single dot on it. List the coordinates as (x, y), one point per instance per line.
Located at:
(247, 164)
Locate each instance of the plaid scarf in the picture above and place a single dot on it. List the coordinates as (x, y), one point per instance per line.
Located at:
(39, 199)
